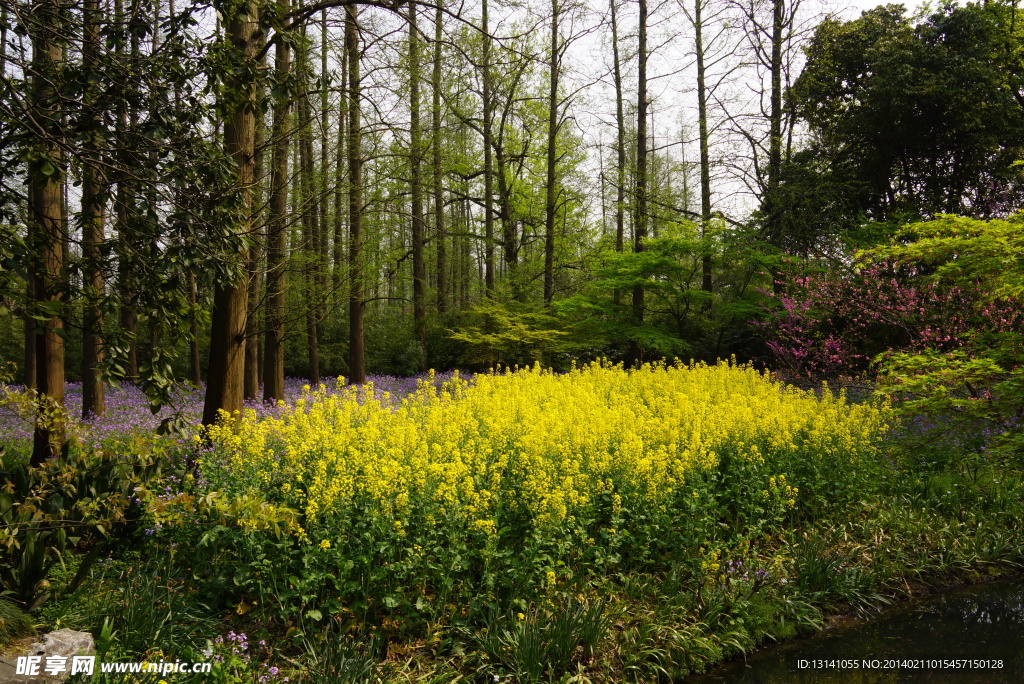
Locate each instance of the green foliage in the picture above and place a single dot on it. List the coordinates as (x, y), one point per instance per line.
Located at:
(982, 381)
(392, 346)
(497, 333)
(80, 500)
(681, 319)
(957, 248)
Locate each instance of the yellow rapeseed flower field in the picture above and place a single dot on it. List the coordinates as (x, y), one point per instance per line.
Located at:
(543, 447)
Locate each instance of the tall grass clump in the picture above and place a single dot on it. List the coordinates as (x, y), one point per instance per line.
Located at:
(14, 624)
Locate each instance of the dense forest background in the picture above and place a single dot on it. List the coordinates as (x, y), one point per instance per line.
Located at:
(227, 194)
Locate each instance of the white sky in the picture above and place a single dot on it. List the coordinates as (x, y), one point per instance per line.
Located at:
(855, 7)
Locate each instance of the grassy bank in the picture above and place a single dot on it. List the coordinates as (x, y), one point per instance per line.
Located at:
(602, 525)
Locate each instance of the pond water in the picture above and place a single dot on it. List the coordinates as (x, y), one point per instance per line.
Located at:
(974, 634)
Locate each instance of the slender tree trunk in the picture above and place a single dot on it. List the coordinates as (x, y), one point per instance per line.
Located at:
(155, 320)
(640, 219)
(310, 225)
(770, 202)
(419, 268)
(324, 184)
(93, 215)
(28, 375)
(339, 192)
(314, 295)
(357, 359)
(194, 360)
(467, 250)
(439, 228)
(509, 234)
(277, 230)
(45, 188)
(550, 206)
(620, 139)
(509, 238)
(320, 184)
(702, 133)
(227, 334)
(129, 323)
(620, 145)
(3, 40)
(488, 165)
(128, 120)
(32, 239)
(251, 379)
(251, 382)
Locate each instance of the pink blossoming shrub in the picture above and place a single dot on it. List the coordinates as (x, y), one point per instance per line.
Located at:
(935, 317)
(829, 325)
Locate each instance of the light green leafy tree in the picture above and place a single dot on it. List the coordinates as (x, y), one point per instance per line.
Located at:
(984, 378)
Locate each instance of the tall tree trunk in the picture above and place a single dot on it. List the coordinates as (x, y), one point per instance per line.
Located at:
(155, 321)
(509, 233)
(640, 219)
(357, 358)
(419, 269)
(194, 360)
(702, 133)
(28, 371)
(128, 121)
(129, 320)
(439, 229)
(550, 207)
(770, 202)
(467, 251)
(254, 266)
(488, 165)
(45, 188)
(3, 40)
(94, 194)
(509, 238)
(277, 229)
(227, 333)
(620, 139)
(324, 179)
(620, 144)
(28, 374)
(310, 225)
(340, 182)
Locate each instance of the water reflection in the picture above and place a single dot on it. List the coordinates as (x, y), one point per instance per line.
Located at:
(983, 624)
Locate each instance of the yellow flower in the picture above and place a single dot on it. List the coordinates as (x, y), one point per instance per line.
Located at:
(554, 449)
(325, 544)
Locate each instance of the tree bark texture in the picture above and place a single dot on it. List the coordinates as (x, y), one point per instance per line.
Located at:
(227, 332)
(46, 203)
(357, 356)
(640, 219)
(419, 268)
(94, 194)
(277, 230)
